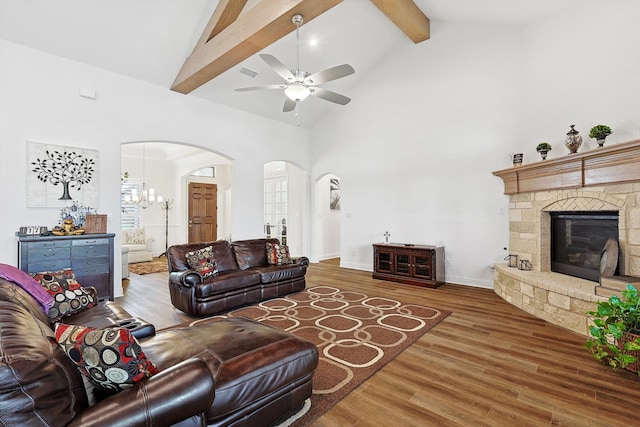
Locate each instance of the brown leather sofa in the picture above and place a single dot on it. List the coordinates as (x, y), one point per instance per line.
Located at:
(230, 372)
(244, 277)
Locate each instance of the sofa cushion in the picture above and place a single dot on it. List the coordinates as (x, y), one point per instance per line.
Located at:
(227, 281)
(202, 261)
(249, 360)
(111, 358)
(135, 247)
(276, 273)
(68, 296)
(222, 253)
(278, 254)
(251, 253)
(28, 283)
(133, 236)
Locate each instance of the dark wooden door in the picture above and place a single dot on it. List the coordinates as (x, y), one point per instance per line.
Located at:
(203, 212)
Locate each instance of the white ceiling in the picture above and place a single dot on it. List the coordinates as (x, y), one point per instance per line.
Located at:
(150, 39)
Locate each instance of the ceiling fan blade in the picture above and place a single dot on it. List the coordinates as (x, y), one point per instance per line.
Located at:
(329, 95)
(244, 89)
(289, 105)
(278, 67)
(329, 74)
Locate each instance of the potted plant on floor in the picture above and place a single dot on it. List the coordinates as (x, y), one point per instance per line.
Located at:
(543, 148)
(615, 333)
(600, 132)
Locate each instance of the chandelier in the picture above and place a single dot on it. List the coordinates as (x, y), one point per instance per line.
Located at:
(147, 196)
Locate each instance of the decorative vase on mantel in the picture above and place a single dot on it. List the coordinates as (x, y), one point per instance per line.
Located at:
(600, 133)
(573, 141)
(543, 148)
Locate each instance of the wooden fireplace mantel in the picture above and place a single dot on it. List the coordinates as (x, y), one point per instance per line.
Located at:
(608, 165)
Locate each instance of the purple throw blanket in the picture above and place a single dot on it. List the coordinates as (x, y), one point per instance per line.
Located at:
(28, 283)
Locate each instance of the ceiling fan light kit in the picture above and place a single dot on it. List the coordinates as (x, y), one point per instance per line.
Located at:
(299, 84)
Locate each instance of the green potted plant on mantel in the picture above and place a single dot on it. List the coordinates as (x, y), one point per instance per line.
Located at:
(543, 148)
(600, 132)
(615, 333)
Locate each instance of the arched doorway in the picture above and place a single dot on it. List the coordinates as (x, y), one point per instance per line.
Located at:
(284, 201)
(168, 168)
(327, 218)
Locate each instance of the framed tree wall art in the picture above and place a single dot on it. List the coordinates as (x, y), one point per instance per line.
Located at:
(58, 175)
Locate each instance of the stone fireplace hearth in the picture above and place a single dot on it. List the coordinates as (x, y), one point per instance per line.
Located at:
(604, 179)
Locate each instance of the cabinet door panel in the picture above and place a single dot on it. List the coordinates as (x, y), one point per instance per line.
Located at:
(402, 264)
(423, 266)
(384, 262)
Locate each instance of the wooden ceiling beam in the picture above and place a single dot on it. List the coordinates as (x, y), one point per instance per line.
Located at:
(407, 16)
(262, 25)
(227, 11)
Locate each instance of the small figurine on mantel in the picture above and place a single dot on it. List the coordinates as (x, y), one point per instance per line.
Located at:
(386, 236)
(67, 228)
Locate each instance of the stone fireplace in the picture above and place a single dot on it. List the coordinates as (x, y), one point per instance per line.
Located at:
(600, 180)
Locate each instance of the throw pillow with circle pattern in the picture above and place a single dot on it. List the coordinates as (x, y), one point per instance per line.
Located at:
(68, 296)
(202, 261)
(278, 254)
(110, 358)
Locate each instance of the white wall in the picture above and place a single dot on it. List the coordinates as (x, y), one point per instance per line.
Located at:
(327, 222)
(582, 67)
(416, 147)
(39, 101)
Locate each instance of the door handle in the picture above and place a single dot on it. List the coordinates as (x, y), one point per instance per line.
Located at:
(190, 223)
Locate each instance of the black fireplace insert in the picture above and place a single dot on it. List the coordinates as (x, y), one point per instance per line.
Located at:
(577, 240)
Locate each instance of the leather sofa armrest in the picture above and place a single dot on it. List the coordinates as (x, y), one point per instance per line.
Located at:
(188, 278)
(303, 260)
(176, 394)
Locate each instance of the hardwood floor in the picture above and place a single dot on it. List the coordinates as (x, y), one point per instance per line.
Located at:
(487, 364)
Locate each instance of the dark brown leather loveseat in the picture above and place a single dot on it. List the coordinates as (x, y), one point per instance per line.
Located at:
(228, 372)
(244, 276)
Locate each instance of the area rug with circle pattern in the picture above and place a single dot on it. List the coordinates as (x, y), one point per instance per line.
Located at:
(356, 335)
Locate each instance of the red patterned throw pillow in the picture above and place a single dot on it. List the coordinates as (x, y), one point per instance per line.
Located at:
(68, 296)
(110, 358)
(278, 254)
(202, 261)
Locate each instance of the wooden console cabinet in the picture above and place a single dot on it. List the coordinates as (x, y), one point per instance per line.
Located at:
(412, 264)
(90, 256)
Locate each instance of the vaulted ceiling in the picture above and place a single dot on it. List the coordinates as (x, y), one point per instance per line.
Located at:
(162, 41)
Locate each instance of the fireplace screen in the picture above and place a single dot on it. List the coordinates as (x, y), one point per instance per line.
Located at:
(577, 240)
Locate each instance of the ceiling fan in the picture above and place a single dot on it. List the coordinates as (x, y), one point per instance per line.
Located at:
(299, 84)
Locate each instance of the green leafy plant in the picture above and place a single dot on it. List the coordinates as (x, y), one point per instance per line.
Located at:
(612, 319)
(543, 146)
(600, 131)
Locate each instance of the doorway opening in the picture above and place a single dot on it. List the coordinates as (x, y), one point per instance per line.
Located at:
(328, 218)
(169, 168)
(284, 201)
